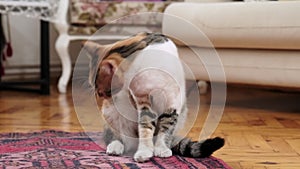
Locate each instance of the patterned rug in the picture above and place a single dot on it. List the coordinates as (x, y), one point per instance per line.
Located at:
(57, 149)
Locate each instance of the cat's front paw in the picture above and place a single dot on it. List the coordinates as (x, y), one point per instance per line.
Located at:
(143, 155)
(162, 152)
(115, 148)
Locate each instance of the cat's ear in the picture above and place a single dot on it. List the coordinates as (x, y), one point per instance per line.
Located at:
(108, 67)
(110, 81)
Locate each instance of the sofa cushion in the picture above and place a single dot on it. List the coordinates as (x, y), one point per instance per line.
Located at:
(265, 25)
(87, 16)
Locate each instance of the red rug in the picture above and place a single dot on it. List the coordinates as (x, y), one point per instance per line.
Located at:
(57, 149)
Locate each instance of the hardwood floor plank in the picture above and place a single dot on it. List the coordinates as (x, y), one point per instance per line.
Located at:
(279, 145)
(256, 141)
(238, 139)
(295, 144)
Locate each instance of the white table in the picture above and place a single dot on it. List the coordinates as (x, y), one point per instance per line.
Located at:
(42, 9)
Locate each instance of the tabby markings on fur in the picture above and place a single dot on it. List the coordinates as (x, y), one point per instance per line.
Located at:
(143, 98)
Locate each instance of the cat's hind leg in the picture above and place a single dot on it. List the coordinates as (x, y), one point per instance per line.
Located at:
(166, 124)
(146, 128)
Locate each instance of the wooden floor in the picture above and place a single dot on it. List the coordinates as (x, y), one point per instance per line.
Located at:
(261, 127)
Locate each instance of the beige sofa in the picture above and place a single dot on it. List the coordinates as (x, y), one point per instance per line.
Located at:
(257, 42)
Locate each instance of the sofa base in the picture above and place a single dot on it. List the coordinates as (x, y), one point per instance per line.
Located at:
(258, 67)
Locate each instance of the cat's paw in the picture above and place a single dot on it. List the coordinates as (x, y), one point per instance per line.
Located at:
(115, 148)
(143, 155)
(162, 152)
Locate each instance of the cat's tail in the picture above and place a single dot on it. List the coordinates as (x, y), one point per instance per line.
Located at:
(186, 147)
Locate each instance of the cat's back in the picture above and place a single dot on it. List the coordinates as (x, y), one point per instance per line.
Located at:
(157, 70)
(159, 56)
(166, 46)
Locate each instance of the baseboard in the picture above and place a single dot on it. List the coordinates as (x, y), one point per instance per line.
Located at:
(33, 71)
(28, 72)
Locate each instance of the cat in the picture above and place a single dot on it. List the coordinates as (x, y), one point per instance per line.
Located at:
(142, 84)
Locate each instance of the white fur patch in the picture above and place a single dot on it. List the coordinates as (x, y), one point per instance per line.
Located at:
(161, 151)
(143, 155)
(115, 148)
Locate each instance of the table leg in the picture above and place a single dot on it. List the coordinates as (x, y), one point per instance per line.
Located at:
(45, 65)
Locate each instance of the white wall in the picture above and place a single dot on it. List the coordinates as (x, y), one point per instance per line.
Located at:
(25, 33)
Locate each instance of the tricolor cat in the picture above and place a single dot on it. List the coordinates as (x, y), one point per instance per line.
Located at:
(142, 83)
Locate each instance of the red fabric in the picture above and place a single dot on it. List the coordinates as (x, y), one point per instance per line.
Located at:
(57, 149)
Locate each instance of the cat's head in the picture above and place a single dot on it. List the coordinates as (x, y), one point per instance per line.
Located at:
(109, 62)
(104, 76)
